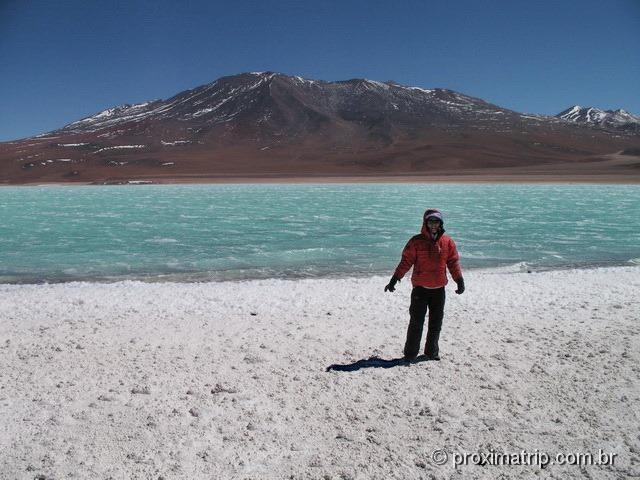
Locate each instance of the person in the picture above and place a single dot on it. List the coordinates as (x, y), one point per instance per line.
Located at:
(430, 253)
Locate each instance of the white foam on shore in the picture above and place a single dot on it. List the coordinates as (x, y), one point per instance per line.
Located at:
(227, 380)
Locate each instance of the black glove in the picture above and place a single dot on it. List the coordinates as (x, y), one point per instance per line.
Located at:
(392, 284)
(460, 283)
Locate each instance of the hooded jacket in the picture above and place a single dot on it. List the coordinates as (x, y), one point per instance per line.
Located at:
(430, 257)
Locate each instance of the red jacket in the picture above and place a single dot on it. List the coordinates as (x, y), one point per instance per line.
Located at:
(430, 259)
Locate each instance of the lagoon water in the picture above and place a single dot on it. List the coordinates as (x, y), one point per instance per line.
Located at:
(230, 232)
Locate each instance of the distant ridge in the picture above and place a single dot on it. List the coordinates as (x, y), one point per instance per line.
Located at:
(609, 119)
(271, 125)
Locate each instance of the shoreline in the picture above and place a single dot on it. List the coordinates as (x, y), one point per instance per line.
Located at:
(181, 279)
(449, 179)
(613, 168)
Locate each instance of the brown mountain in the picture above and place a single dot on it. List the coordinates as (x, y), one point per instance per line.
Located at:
(268, 125)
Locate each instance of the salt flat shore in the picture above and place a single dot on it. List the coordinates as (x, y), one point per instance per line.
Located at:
(228, 380)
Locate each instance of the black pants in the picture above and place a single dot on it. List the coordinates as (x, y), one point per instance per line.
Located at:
(421, 300)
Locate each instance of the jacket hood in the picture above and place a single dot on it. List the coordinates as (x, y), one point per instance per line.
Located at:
(432, 212)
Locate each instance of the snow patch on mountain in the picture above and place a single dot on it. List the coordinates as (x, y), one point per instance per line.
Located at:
(419, 89)
(119, 147)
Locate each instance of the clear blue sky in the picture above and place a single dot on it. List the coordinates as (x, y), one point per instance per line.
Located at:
(63, 60)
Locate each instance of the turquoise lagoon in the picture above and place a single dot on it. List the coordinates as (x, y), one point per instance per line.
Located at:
(231, 232)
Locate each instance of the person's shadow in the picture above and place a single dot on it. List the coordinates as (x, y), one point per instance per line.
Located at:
(376, 362)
